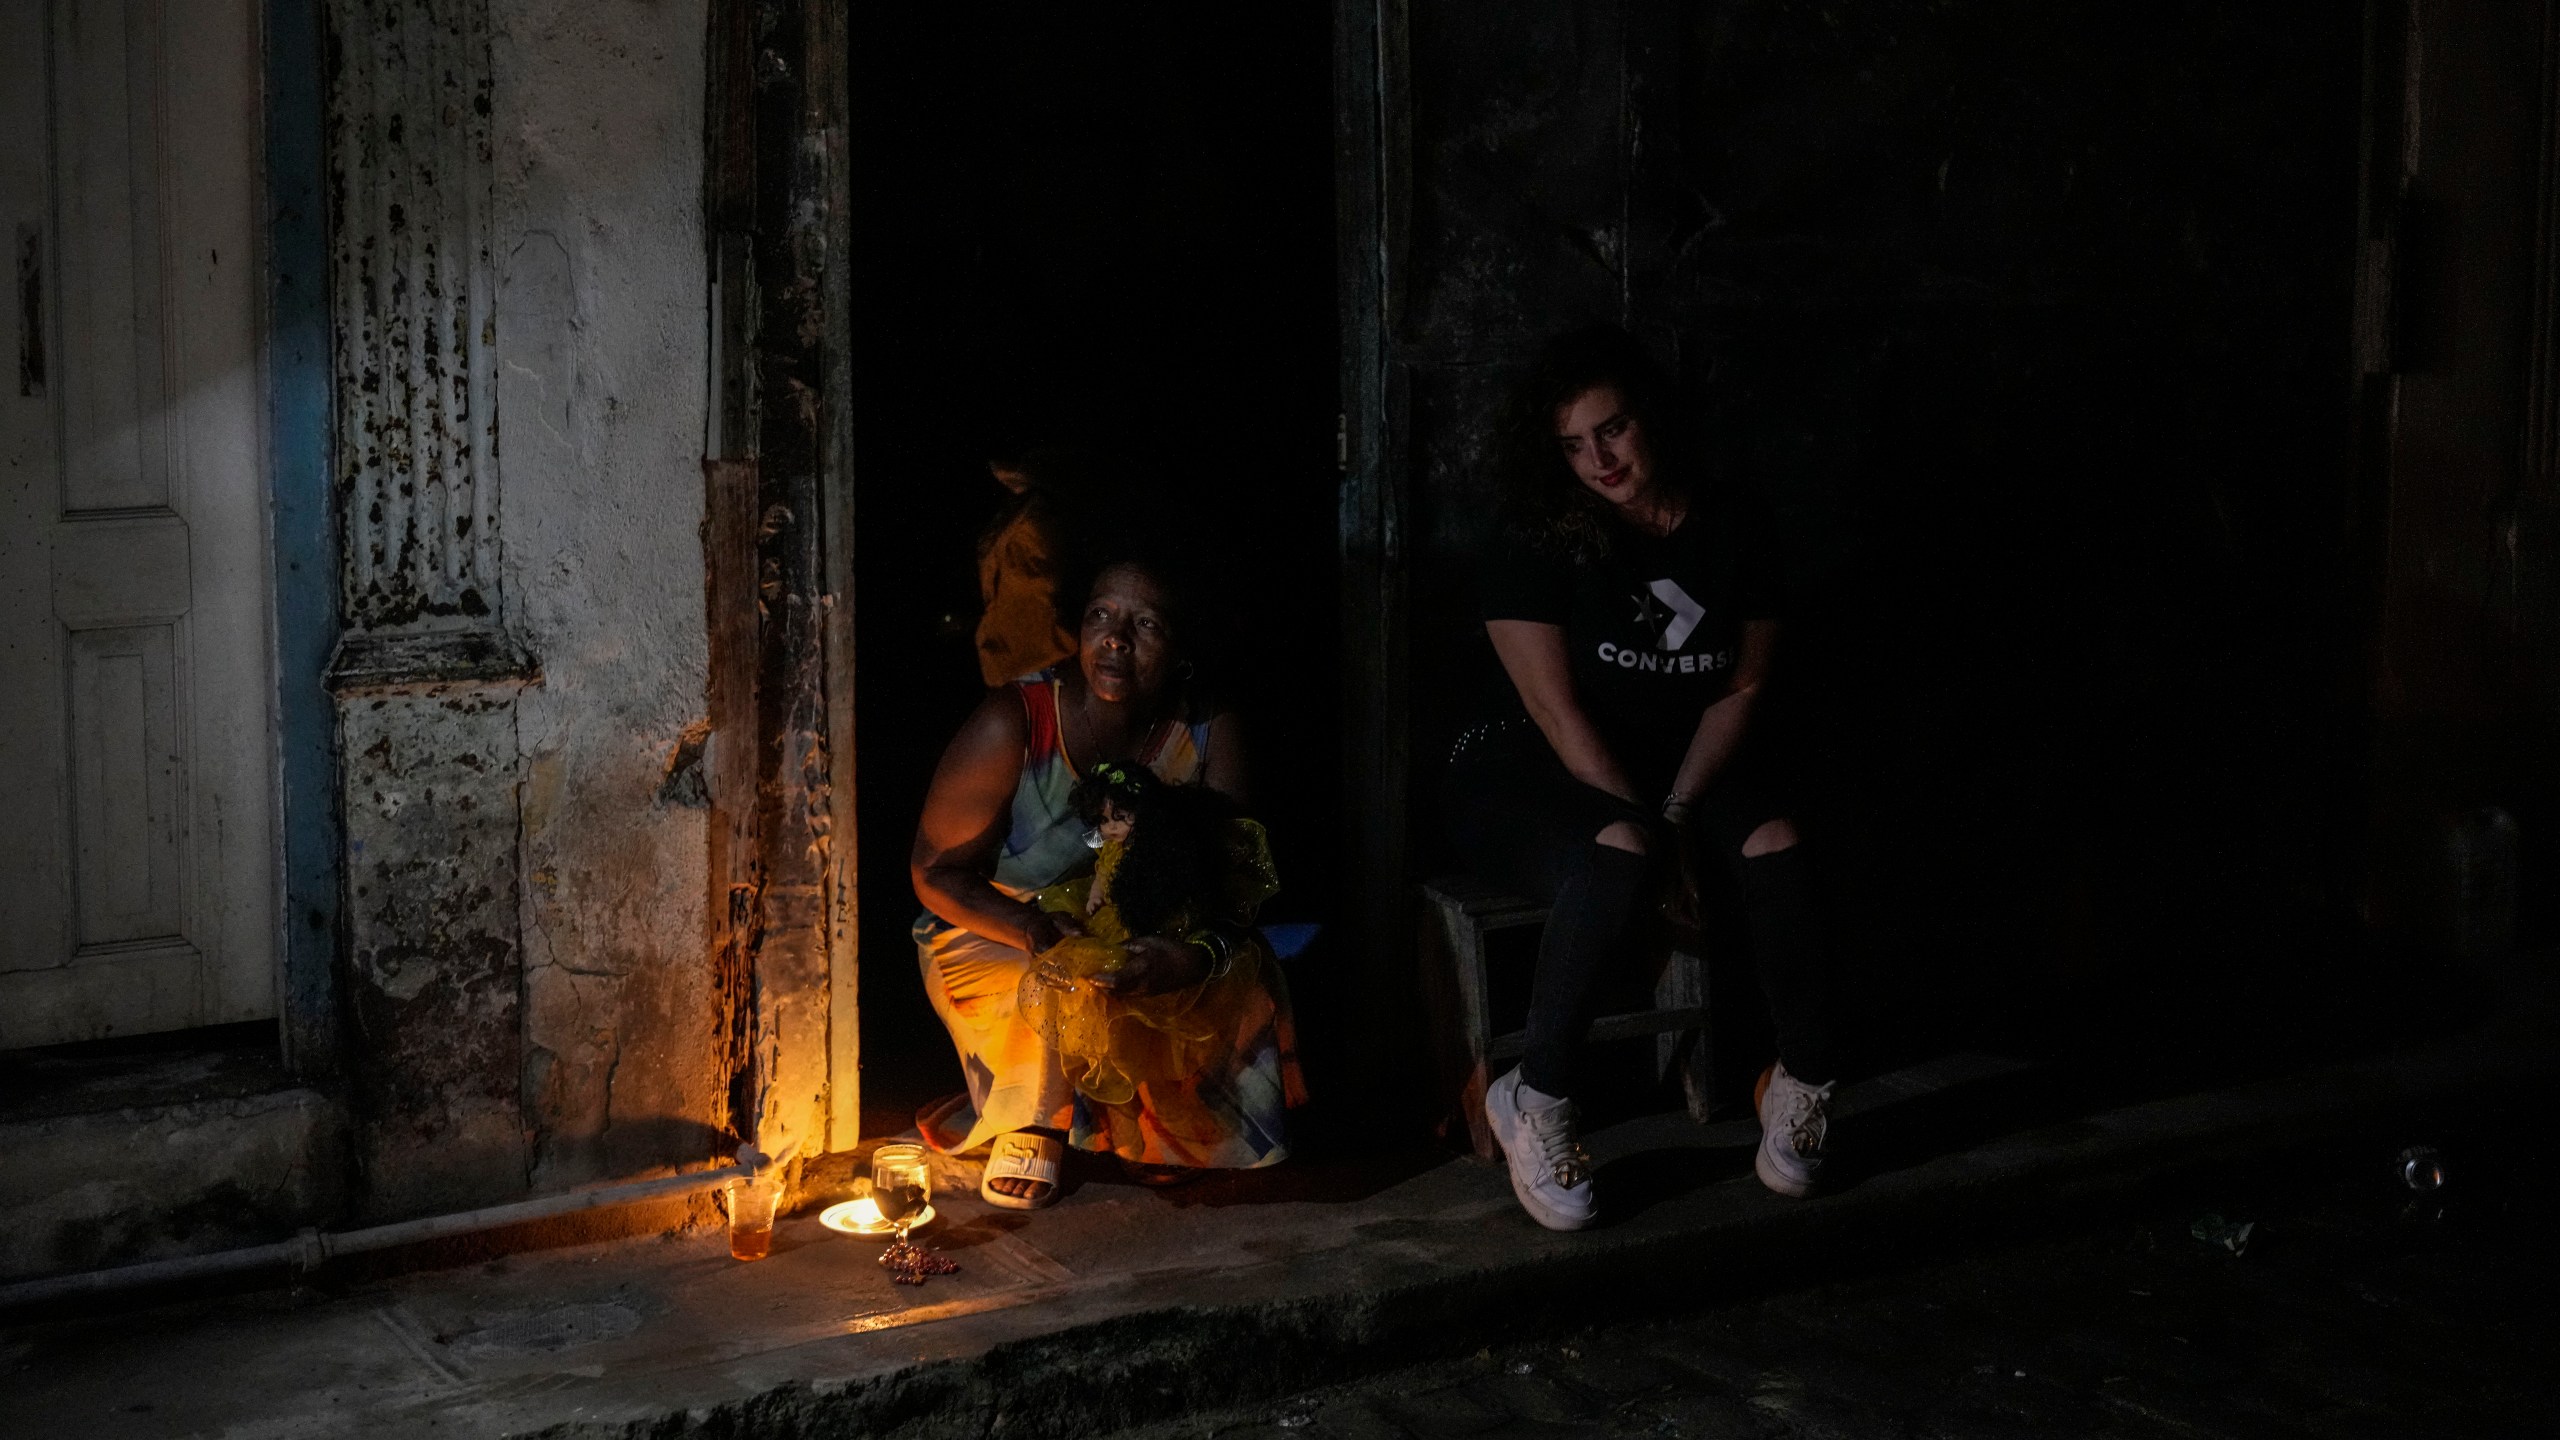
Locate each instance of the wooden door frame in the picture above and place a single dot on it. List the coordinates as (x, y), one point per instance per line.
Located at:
(778, 551)
(303, 538)
(2400, 874)
(1372, 169)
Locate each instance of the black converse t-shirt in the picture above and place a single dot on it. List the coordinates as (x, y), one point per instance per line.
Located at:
(1653, 628)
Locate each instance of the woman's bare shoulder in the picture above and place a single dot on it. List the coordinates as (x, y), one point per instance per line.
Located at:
(1225, 767)
(996, 728)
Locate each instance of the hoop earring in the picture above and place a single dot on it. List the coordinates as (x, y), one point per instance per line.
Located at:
(1187, 671)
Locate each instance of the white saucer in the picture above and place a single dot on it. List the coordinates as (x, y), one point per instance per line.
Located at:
(839, 1218)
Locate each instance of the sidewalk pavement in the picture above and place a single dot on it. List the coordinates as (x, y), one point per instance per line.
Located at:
(1122, 1305)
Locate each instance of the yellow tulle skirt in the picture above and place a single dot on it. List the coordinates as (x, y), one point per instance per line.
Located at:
(1113, 1045)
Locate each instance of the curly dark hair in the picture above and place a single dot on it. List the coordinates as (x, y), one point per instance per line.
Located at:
(1177, 855)
(1543, 504)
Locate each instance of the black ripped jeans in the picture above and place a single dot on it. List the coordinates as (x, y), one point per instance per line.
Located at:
(1522, 820)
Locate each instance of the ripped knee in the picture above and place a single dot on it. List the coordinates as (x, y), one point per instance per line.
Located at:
(1623, 835)
(1772, 837)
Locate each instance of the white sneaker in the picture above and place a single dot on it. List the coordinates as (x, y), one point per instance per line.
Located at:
(1794, 1120)
(1549, 1172)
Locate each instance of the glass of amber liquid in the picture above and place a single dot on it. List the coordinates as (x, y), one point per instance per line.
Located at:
(751, 1205)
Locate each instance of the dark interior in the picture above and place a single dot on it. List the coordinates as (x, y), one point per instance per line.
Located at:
(2046, 378)
(1111, 230)
(2045, 372)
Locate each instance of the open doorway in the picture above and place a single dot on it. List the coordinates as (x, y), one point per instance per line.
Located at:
(1115, 233)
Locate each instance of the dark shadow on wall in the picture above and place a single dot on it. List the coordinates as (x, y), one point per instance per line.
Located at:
(2032, 324)
(1109, 228)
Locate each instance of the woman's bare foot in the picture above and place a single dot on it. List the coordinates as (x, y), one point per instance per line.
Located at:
(1023, 1170)
(1017, 1186)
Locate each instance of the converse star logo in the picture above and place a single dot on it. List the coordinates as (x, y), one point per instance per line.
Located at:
(1666, 609)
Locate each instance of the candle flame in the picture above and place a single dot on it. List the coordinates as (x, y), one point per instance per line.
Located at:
(861, 1216)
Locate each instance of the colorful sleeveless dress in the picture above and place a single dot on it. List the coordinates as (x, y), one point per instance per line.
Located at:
(1226, 1116)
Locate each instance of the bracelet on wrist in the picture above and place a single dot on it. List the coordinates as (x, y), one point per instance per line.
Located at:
(1220, 950)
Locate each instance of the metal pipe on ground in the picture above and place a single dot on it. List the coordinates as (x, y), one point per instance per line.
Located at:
(311, 1248)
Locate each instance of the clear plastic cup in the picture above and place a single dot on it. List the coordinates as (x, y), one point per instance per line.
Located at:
(751, 1205)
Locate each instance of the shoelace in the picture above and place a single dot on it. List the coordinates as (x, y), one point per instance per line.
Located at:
(1804, 1116)
(1559, 1149)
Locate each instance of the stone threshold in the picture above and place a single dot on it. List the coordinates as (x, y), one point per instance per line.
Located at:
(1122, 1305)
(121, 1153)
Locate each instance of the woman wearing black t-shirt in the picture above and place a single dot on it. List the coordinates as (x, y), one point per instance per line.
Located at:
(1630, 606)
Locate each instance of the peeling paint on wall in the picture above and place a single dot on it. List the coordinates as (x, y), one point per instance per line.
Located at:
(427, 676)
(542, 295)
(416, 323)
(435, 972)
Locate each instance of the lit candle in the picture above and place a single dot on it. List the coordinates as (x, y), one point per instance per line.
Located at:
(863, 1215)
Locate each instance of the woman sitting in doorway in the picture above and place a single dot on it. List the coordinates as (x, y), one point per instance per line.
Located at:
(1631, 607)
(1000, 824)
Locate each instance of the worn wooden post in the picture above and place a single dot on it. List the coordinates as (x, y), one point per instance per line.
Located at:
(776, 557)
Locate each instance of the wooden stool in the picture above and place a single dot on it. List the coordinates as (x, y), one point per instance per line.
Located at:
(1465, 911)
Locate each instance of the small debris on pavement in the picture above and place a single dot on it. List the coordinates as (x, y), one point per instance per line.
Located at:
(2230, 1235)
(909, 1263)
(1520, 1367)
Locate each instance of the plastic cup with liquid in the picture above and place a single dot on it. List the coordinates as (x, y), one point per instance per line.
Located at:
(751, 1206)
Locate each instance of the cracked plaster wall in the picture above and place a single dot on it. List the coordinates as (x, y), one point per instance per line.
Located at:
(598, 161)
(436, 1002)
(528, 995)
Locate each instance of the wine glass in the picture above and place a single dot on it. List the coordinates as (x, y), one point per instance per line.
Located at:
(901, 1184)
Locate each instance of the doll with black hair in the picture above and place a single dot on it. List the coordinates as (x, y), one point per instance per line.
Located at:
(1177, 861)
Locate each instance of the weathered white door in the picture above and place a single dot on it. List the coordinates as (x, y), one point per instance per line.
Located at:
(137, 871)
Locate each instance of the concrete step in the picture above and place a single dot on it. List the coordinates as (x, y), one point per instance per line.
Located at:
(115, 1157)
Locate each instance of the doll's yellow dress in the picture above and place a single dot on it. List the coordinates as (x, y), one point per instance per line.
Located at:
(1111, 1045)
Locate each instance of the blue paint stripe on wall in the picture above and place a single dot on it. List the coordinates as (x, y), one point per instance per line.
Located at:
(306, 538)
